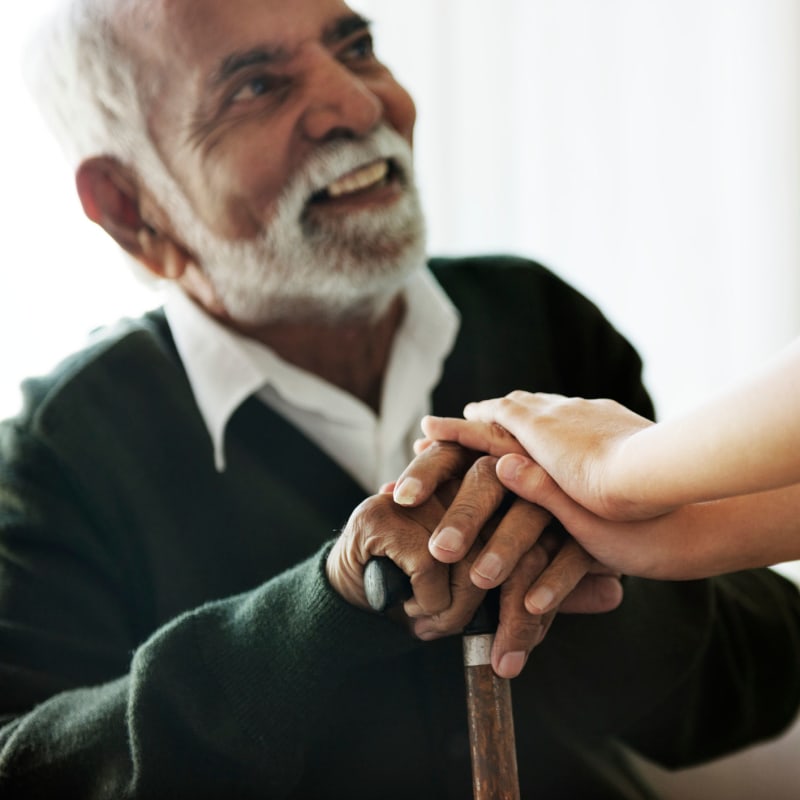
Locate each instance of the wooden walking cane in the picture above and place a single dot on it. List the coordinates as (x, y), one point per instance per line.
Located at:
(489, 712)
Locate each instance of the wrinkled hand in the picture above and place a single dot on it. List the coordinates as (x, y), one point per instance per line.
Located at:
(580, 443)
(378, 527)
(538, 570)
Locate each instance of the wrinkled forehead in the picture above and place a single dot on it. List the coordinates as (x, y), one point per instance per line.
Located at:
(181, 37)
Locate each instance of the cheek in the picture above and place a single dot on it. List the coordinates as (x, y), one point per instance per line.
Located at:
(243, 190)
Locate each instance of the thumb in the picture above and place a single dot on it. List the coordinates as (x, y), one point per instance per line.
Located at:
(615, 544)
(525, 478)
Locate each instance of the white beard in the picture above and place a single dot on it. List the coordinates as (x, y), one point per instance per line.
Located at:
(298, 268)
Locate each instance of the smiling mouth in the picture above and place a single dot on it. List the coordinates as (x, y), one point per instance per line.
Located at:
(359, 180)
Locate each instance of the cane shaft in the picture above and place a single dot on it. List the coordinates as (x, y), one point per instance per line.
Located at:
(491, 724)
(489, 712)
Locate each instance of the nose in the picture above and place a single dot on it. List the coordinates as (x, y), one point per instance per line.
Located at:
(339, 104)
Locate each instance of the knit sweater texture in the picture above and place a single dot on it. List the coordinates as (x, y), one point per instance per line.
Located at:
(167, 631)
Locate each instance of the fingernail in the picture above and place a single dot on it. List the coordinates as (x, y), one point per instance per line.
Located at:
(539, 599)
(511, 664)
(489, 567)
(509, 466)
(407, 491)
(450, 539)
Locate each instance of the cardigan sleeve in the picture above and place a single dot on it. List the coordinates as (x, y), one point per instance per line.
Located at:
(218, 702)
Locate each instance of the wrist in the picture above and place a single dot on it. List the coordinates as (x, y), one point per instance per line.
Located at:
(621, 486)
(638, 488)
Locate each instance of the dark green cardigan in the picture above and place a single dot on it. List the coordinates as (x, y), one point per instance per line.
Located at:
(167, 631)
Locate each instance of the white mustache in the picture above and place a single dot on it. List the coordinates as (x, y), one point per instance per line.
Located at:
(331, 161)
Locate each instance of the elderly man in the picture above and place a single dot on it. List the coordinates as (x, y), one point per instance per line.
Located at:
(178, 617)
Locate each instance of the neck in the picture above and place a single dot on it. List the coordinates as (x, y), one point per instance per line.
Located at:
(351, 354)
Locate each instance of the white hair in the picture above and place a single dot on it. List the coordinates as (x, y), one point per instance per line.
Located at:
(84, 81)
(87, 86)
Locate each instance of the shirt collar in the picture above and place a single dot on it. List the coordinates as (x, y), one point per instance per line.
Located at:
(225, 368)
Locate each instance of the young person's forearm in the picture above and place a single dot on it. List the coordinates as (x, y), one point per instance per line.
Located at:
(743, 441)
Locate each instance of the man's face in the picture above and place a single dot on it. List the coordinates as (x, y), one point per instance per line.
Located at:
(291, 143)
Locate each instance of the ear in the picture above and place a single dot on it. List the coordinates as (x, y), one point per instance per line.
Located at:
(112, 197)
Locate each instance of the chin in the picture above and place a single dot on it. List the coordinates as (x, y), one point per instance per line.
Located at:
(351, 270)
(338, 296)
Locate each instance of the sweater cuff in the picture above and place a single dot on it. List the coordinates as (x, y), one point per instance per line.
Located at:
(291, 642)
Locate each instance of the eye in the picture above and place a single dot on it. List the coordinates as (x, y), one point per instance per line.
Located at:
(253, 88)
(362, 49)
(258, 86)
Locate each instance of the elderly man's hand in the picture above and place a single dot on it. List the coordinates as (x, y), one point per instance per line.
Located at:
(451, 529)
(380, 527)
(539, 570)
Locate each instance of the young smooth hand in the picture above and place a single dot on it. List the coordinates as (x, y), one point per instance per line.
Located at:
(693, 541)
(580, 443)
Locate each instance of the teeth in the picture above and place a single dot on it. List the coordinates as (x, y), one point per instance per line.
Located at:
(359, 179)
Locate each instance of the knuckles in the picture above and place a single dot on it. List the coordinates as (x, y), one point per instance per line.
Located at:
(377, 517)
(524, 632)
(449, 456)
(377, 511)
(484, 469)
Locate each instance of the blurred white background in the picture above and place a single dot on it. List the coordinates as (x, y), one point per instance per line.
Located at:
(647, 150)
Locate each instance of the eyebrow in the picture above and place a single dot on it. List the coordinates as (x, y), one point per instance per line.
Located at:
(267, 55)
(343, 27)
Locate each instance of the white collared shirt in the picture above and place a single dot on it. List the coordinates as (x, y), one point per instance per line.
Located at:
(225, 368)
